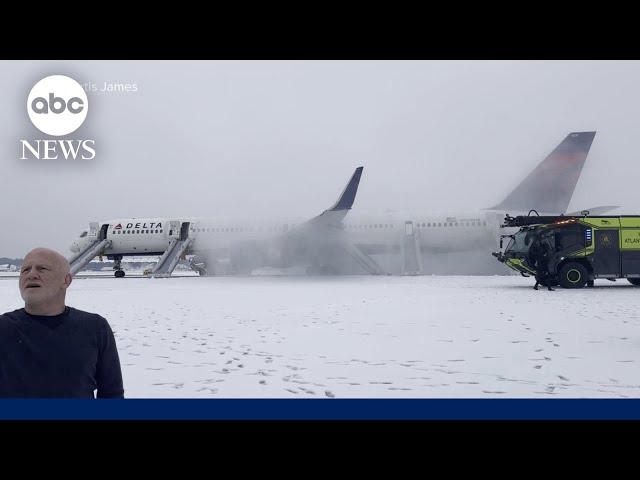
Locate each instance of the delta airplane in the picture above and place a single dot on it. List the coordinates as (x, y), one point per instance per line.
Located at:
(331, 243)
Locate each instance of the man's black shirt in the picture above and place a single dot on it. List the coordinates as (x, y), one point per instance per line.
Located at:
(63, 356)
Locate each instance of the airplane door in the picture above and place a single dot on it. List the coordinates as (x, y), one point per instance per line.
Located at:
(412, 263)
(93, 229)
(408, 228)
(174, 229)
(184, 231)
(103, 231)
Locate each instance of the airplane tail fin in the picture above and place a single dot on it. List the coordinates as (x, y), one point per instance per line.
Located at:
(549, 187)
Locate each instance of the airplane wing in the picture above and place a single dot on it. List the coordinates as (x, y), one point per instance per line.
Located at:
(319, 243)
(318, 240)
(595, 210)
(333, 216)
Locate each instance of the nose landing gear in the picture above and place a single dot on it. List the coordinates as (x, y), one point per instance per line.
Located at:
(119, 273)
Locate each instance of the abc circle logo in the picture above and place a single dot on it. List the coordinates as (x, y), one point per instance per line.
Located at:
(57, 105)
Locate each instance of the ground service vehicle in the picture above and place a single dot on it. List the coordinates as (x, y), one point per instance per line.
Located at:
(581, 248)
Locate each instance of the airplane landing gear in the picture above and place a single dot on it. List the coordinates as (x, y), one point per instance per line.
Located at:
(119, 273)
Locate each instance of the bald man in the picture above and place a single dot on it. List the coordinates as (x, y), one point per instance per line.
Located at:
(49, 350)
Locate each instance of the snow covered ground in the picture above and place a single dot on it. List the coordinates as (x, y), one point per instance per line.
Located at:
(365, 336)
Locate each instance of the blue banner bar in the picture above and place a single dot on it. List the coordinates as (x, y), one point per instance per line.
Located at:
(321, 409)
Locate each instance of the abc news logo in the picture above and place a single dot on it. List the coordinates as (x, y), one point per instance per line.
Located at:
(57, 105)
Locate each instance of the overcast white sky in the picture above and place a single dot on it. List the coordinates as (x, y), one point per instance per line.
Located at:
(279, 138)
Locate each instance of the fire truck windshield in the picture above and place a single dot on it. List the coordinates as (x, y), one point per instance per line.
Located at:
(521, 242)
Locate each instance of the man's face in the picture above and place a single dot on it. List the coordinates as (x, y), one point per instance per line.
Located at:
(43, 278)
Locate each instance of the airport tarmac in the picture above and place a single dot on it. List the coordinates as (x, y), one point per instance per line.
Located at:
(364, 336)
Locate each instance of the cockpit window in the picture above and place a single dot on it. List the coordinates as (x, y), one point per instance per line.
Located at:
(83, 234)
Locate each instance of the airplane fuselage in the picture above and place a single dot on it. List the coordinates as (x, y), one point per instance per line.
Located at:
(372, 234)
(335, 241)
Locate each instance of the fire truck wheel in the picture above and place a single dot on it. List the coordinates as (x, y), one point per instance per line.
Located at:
(573, 275)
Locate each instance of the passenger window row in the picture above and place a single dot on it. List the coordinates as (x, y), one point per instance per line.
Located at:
(422, 225)
(277, 228)
(286, 227)
(375, 225)
(133, 232)
(451, 224)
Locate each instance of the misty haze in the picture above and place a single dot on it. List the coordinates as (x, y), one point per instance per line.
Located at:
(247, 167)
(277, 139)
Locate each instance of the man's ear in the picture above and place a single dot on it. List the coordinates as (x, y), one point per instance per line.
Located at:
(67, 280)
